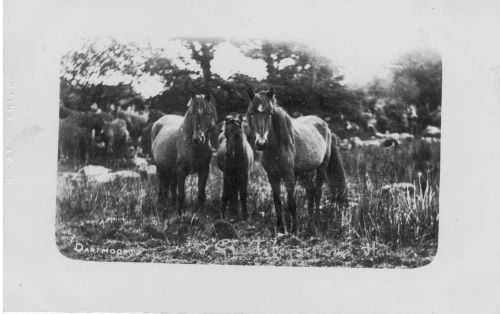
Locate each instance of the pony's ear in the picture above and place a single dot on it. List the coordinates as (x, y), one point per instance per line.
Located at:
(270, 93)
(240, 118)
(251, 93)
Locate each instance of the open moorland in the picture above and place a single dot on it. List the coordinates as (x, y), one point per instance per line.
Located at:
(391, 219)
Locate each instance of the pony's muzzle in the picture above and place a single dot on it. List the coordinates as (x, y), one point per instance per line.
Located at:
(199, 139)
(260, 144)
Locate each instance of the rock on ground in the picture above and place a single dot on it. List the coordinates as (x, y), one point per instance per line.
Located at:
(92, 170)
(432, 131)
(395, 188)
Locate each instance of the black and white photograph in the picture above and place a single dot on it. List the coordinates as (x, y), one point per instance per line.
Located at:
(247, 152)
(301, 156)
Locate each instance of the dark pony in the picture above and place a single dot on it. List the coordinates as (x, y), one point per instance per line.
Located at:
(180, 147)
(116, 138)
(234, 158)
(74, 142)
(135, 123)
(79, 131)
(301, 147)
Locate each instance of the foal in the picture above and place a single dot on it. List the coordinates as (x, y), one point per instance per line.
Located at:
(234, 158)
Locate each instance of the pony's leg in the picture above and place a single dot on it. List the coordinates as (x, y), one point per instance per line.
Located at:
(226, 193)
(163, 188)
(320, 179)
(181, 193)
(202, 182)
(275, 181)
(311, 193)
(173, 188)
(243, 185)
(291, 217)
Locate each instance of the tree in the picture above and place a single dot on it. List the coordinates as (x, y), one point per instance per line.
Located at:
(305, 81)
(83, 70)
(417, 80)
(202, 51)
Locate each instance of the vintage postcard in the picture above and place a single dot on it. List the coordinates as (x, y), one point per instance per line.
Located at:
(248, 152)
(293, 141)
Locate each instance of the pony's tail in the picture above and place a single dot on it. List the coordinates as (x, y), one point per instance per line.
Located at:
(336, 174)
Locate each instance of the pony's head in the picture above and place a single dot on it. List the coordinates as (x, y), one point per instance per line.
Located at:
(233, 132)
(98, 122)
(260, 112)
(113, 132)
(202, 117)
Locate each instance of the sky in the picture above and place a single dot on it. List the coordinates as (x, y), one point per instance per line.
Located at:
(361, 38)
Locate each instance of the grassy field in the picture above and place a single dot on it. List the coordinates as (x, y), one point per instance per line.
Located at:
(119, 221)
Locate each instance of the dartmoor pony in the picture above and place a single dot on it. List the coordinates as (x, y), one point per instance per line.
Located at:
(234, 158)
(116, 138)
(88, 120)
(79, 131)
(180, 147)
(301, 147)
(74, 142)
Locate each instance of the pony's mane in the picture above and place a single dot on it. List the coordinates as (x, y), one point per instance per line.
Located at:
(199, 102)
(282, 126)
(196, 103)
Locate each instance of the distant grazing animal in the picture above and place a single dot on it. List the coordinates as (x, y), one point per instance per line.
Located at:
(74, 142)
(301, 147)
(180, 147)
(91, 124)
(135, 124)
(88, 120)
(116, 138)
(234, 158)
(99, 120)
